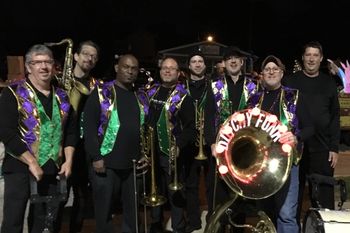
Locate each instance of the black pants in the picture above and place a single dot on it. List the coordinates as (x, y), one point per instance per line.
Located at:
(316, 163)
(219, 192)
(16, 195)
(104, 188)
(175, 198)
(82, 191)
(193, 170)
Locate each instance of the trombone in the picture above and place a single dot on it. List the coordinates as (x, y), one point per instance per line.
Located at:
(153, 199)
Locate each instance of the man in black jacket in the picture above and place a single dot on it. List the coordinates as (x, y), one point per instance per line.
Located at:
(197, 86)
(85, 58)
(172, 118)
(113, 116)
(36, 126)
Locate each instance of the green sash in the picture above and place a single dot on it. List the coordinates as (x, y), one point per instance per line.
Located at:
(167, 117)
(113, 126)
(50, 132)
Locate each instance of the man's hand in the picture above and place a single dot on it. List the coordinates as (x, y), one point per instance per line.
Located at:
(99, 166)
(213, 149)
(333, 158)
(33, 165)
(36, 170)
(143, 163)
(175, 150)
(66, 169)
(288, 138)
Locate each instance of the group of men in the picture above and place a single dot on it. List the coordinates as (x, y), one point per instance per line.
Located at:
(99, 141)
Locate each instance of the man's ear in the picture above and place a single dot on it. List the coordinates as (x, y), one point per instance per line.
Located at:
(76, 56)
(116, 68)
(28, 71)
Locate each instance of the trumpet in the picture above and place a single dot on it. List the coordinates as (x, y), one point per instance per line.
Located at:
(153, 199)
(199, 118)
(173, 153)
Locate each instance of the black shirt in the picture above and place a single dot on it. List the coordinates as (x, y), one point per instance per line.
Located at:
(197, 88)
(185, 116)
(322, 101)
(271, 104)
(235, 92)
(10, 135)
(127, 144)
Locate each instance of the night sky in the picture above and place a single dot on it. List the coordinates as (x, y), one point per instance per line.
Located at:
(264, 27)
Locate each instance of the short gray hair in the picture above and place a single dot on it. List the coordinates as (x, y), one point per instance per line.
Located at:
(38, 49)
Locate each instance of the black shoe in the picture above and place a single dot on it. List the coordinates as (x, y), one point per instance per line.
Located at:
(179, 231)
(156, 228)
(189, 228)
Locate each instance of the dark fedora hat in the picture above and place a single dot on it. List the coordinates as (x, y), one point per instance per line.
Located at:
(234, 51)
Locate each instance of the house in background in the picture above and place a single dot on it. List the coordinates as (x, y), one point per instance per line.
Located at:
(212, 51)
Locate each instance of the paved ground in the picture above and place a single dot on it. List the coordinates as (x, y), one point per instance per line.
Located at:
(341, 170)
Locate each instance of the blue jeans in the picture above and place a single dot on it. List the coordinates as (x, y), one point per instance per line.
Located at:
(286, 219)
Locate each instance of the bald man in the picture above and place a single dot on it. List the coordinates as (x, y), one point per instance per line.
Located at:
(113, 116)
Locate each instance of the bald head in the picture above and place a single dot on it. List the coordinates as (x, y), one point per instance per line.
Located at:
(125, 57)
(169, 72)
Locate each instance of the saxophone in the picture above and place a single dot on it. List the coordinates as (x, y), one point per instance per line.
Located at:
(66, 79)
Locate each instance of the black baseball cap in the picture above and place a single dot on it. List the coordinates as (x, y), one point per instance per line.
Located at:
(195, 53)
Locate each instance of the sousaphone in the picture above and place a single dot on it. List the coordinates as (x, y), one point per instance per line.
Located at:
(251, 160)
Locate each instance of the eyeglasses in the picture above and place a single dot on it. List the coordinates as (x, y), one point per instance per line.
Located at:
(92, 56)
(165, 68)
(273, 70)
(40, 62)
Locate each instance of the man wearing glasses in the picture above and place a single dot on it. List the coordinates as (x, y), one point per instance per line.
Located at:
(86, 58)
(289, 107)
(39, 131)
(171, 115)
